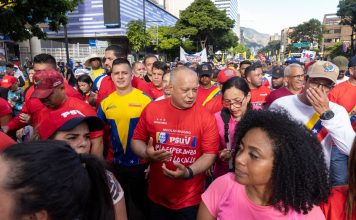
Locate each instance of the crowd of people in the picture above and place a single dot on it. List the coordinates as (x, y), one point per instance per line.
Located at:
(147, 140)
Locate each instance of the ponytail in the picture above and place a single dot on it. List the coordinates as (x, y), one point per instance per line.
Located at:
(99, 204)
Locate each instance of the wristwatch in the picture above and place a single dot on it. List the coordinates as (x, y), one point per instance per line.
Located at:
(327, 115)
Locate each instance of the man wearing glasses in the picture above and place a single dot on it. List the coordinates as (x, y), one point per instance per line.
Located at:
(294, 78)
(328, 121)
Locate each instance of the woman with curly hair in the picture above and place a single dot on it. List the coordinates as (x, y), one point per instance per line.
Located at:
(341, 204)
(279, 173)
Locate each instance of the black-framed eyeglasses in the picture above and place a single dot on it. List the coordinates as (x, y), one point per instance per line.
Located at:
(235, 103)
(328, 86)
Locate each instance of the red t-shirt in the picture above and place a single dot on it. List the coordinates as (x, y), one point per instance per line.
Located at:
(73, 103)
(215, 104)
(334, 209)
(5, 108)
(204, 93)
(187, 134)
(344, 94)
(276, 94)
(5, 141)
(154, 92)
(258, 97)
(107, 87)
(33, 106)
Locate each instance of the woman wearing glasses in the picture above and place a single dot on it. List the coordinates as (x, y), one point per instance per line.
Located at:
(236, 98)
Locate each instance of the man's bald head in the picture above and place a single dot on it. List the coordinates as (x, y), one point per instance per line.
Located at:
(181, 72)
(184, 87)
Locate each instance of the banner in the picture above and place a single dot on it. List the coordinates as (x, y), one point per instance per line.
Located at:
(199, 57)
(307, 56)
(261, 56)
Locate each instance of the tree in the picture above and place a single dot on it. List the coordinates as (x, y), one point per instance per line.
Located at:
(137, 36)
(310, 31)
(20, 19)
(272, 47)
(225, 41)
(202, 22)
(347, 12)
(336, 50)
(165, 40)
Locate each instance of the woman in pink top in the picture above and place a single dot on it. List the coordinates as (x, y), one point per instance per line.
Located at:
(236, 100)
(279, 173)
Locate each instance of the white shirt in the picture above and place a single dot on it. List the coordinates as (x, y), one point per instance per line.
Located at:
(339, 127)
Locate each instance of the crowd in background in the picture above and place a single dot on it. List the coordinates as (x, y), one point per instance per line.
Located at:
(110, 139)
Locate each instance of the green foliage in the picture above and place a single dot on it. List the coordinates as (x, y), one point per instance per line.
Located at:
(240, 48)
(336, 50)
(272, 47)
(224, 41)
(310, 31)
(20, 19)
(164, 38)
(203, 22)
(347, 12)
(138, 38)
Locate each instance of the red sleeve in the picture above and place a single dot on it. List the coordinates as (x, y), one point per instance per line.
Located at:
(141, 131)
(210, 138)
(106, 88)
(70, 91)
(15, 122)
(5, 141)
(141, 85)
(29, 93)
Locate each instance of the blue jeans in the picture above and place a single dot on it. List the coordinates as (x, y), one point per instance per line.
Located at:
(338, 167)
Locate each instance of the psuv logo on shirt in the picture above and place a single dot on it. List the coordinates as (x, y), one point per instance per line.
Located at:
(173, 139)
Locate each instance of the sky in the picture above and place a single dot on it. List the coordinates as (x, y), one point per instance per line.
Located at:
(271, 16)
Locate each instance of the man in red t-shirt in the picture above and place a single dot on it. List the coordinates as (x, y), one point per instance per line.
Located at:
(294, 78)
(107, 86)
(215, 104)
(206, 90)
(258, 91)
(344, 93)
(30, 111)
(49, 89)
(155, 87)
(182, 144)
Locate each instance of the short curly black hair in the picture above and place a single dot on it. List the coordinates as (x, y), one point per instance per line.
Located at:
(300, 176)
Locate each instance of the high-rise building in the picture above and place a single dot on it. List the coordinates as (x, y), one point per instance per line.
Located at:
(174, 6)
(231, 8)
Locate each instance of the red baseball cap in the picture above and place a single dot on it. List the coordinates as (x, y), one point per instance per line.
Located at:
(8, 81)
(225, 74)
(66, 119)
(45, 81)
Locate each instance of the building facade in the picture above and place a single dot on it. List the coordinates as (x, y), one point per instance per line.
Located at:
(285, 40)
(334, 32)
(86, 24)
